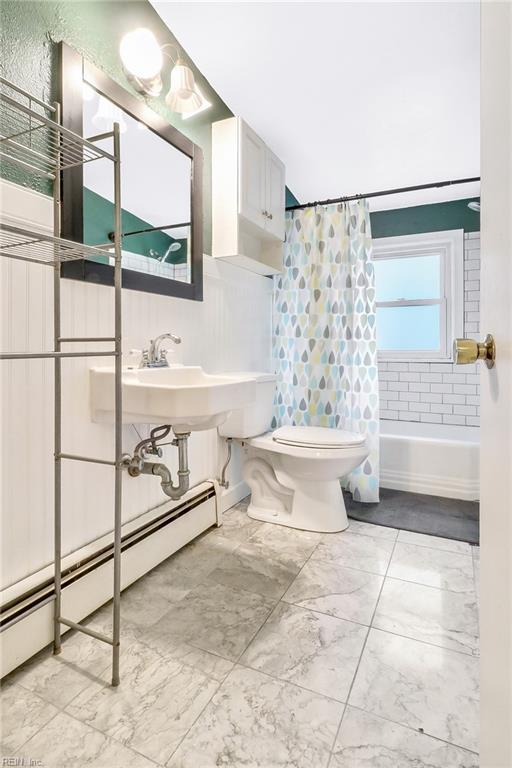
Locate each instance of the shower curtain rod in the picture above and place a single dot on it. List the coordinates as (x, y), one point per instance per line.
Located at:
(345, 199)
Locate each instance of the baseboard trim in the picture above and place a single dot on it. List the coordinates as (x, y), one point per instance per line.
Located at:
(431, 485)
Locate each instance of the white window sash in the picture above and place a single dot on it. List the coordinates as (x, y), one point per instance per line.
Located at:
(449, 246)
(409, 302)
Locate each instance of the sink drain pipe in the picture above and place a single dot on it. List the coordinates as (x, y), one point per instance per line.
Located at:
(138, 465)
(164, 473)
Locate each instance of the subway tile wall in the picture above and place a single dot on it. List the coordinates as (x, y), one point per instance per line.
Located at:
(439, 393)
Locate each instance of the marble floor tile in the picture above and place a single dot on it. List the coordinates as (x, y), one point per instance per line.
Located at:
(315, 651)
(207, 663)
(366, 741)
(188, 567)
(215, 618)
(432, 567)
(434, 542)
(58, 679)
(259, 722)
(369, 529)
(23, 714)
(158, 638)
(421, 686)
(438, 616)
(66, 742)
(251, 568)
(289, 546)
(342, 592)
(237, 527)
(365, 553)
(151, 711)
(149, 598)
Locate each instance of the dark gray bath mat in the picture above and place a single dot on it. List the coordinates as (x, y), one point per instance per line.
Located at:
(434, 515)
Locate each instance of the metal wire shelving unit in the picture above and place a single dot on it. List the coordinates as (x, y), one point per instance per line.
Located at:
(32, 137)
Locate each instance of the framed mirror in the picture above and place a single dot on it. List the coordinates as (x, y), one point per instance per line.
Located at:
(161, 188)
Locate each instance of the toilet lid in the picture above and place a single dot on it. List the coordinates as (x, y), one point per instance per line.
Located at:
(317, 437)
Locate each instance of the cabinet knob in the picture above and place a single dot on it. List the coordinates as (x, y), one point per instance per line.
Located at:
(265, 213)
(269, 215)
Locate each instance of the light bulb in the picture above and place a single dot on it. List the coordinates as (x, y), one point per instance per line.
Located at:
(140, 53)
(182, 96)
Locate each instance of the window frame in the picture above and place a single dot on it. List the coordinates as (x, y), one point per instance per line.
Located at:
(449, 245)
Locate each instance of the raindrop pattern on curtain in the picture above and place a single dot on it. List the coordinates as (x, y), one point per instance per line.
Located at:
(324, 347)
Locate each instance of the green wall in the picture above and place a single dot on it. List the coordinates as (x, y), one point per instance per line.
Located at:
(30, 31)
(99, 222)
(435, 217)
(290, 198)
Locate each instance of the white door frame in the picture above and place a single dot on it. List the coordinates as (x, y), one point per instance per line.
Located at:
(496, 388)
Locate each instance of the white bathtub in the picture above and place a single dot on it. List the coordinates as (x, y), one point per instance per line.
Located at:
(436, 459)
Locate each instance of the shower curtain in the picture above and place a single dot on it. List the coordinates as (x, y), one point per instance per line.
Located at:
(325, 348)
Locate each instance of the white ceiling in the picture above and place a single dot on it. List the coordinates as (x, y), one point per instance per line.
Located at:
(354, 97)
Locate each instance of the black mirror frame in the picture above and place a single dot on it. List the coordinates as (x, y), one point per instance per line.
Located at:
(73, 69)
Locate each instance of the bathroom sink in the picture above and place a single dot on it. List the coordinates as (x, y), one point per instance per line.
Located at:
(184, 396)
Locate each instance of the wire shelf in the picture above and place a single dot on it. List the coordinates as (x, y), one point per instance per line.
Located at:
(31, 139)
(29, 245)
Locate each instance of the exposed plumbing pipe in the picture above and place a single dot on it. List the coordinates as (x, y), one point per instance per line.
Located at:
(223, 482)
(137, 464)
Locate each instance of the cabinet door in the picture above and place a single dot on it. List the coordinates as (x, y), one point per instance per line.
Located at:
(252, 187)
(275, 201)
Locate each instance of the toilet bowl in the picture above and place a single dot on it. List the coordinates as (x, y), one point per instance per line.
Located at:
(293, 473)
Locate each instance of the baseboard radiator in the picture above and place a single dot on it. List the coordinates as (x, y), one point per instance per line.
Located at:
(26, 619)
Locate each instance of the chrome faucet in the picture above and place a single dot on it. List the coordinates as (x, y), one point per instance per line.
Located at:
(154, 356)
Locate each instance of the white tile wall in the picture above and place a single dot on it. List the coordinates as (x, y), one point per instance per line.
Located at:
(439, 393)
(143, 264)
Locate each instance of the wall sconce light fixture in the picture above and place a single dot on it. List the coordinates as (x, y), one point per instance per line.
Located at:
(143, 60)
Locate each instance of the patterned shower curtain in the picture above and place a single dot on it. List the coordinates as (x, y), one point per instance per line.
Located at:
(325, 348)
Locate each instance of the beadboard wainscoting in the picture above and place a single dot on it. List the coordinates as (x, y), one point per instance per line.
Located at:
(230, 330)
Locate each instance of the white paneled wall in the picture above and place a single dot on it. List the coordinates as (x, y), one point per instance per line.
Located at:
(230, 330)
(439, 393)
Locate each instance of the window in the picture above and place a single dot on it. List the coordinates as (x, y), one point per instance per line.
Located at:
(420, 293)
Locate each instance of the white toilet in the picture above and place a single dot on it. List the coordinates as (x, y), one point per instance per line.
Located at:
(294, 473)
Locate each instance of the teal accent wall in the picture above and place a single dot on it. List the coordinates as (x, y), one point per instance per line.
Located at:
(435, 217)
(99, 221)
(30, 31)
(290, 198)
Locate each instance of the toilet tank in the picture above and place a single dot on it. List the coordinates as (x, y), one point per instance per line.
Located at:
(255, 418)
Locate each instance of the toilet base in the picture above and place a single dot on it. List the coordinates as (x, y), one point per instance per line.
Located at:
(310, 506)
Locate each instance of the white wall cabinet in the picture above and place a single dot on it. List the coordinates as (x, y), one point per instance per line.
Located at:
(248, 198)
(275, 206)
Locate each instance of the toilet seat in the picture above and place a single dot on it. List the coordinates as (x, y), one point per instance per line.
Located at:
(317, 437)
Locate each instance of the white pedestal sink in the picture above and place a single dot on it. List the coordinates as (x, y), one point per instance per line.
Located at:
(184, 396)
